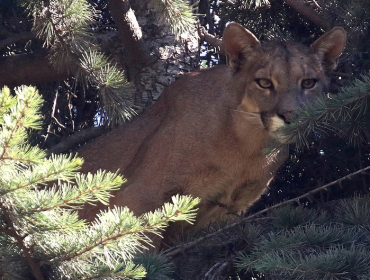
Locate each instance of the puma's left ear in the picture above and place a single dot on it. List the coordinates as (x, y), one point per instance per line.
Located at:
(237, 43)
(330, 46)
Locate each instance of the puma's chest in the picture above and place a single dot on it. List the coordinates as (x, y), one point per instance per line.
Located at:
(227, 192)
(232, 178)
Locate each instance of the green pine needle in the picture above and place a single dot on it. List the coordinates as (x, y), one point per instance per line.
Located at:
(39, 224)
(177, 14)
(344, 114)
(111, 86)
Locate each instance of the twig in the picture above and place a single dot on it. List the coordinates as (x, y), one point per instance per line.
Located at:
(173, 252)
(216, 272)
(210, 39)
(53, 111)
(317, 6)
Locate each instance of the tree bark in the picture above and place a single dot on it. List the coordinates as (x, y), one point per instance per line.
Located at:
(135, 56)
(150, 53)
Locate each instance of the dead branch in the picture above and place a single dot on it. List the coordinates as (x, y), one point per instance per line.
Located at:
(218, 271)
(210, 39)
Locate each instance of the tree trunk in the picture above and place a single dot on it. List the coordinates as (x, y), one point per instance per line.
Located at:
(163, 57)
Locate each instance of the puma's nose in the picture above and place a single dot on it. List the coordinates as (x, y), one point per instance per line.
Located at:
(287, 116)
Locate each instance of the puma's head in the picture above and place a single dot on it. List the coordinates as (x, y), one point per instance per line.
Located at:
(275, 78)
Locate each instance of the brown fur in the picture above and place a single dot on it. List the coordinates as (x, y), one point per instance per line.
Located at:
(206, 134)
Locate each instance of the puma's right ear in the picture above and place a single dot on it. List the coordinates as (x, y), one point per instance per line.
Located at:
(237, 43)
(330, 46)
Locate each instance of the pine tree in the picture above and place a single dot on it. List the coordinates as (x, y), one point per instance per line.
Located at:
(41, 236)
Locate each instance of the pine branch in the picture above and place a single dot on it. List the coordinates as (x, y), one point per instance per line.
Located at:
(343, 114)
(10, 136)
(25, 154)
(119, 227)
(173, 252)
(317, 249)
(62, 168)
(111, 85)
(41, 227)
(177, 13)
(89, 188)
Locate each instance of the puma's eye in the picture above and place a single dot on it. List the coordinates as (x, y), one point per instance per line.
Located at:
(264, 83)
(308, 83)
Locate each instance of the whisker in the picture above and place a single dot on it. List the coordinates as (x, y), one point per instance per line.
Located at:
(247, 113)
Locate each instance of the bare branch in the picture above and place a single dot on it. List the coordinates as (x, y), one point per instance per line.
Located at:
(173, 252)
(76, 139)
(54, 109)
(210, 39)
(219, 271)
(309, 13)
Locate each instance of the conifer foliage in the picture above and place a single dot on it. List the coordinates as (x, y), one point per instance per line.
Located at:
(344, 114)
(288, 243)
(65, 28)
(306, 244)
(41, 236)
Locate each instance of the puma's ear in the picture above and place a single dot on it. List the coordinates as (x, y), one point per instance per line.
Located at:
(237, 43)
(330, 46)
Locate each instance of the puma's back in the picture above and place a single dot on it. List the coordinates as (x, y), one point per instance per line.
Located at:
(205, 135)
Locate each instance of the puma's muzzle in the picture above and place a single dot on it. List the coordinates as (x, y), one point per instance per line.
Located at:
(272, 122)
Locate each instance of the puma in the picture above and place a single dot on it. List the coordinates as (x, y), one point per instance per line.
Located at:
(206, 134)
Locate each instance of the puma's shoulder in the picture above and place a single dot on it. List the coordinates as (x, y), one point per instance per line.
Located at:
(182, 97)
